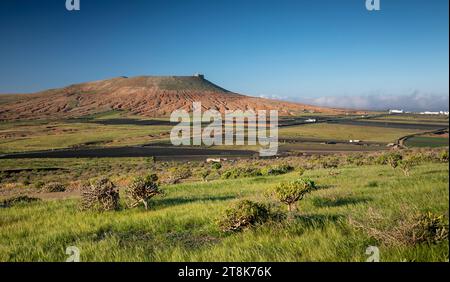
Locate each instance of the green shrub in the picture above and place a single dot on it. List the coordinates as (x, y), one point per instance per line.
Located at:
(431, 228)
(408, 230)
(7, 203)
(241, 172)
(244, 214)
(394, 159)
(355, 159)
(291, 192)
(204, 174)
(301, 171)
(179, 173)
(329, 162)
(278, 170)
(370, 160)
(101, 195)
(382, 159)
(216, 166)
(53, 187)
(39, 184)
(420, 157)
(142, 189)
(406, 165)
(443, 157)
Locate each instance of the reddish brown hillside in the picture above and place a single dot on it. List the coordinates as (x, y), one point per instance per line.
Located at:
(145, 95)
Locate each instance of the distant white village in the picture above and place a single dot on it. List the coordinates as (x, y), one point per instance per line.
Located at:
(421, 113)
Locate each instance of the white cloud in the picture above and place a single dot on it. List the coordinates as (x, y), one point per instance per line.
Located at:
(274, 97)
(415, 101)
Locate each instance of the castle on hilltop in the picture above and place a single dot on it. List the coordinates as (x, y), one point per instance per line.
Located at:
(202, 76)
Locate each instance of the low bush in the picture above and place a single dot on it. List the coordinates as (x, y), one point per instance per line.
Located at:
(216, 166)
(431, 228)
(290, 193)
(278, 170)
(142, 189)
(54, 187)
(101, 195)
(329, 162)
(443, 156)
(244, 214)
(39, 184)
(204, 174)
(241, 172)
(408, 230)
(179, 173)
(7, 203)
(394, 159)
(382, 159)
(356, 159)
(406, 166)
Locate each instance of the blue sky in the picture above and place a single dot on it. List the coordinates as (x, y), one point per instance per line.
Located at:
(296, 50)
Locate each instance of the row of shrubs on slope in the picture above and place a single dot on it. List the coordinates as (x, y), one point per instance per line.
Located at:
(404, 160)
(377, 158)
(246, 214)
(241, 172)
(174, 172)
(413, 229)
(103, 194)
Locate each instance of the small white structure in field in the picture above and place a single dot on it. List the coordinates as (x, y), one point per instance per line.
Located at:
(212, 160)
(354, 141)
(434, 113)
(396, 111)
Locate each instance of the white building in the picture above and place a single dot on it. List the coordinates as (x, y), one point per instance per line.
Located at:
(396, 111)
(430, 113)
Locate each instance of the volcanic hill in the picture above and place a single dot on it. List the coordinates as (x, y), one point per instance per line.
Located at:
(151, 96)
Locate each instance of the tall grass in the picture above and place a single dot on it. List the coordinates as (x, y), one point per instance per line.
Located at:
(182, 225)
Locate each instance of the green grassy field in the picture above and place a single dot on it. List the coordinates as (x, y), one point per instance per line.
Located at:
(427, 141)
(182, 225)
(414, 118)
(23, 136)
(345, 132)
(443, 123)
(31, 136)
